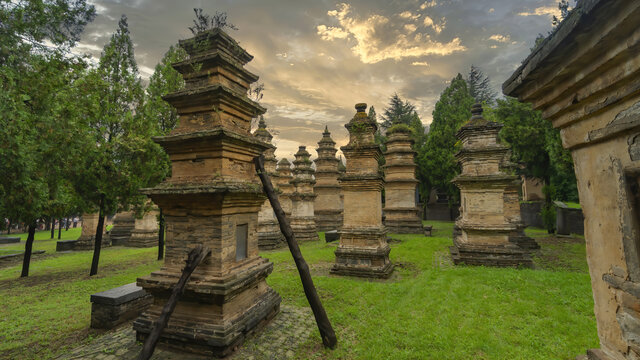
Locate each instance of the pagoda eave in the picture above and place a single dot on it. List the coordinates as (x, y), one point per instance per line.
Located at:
(213, 94)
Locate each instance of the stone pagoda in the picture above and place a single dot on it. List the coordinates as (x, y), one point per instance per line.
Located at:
(401, 213)
(303, 222)
(327, 206)
(283, 183)
(489, 228)
(363, 249)
(123, 224)
(269, 235)
(87, 238)
(145, 230)
(212, 199)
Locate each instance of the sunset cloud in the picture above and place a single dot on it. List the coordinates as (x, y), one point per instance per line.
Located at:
(499, 38)
(541, 11)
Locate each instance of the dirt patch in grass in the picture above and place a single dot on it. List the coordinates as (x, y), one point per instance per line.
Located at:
(560, 253)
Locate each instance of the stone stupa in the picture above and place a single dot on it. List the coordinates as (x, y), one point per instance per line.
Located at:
(327, 206)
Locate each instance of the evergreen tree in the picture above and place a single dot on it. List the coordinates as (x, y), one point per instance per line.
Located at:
(480, 86)
(398, 111)
(437, 165)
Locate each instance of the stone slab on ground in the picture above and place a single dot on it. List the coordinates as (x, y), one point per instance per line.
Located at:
(9, 239)
(332, 235)
(65, 245)
(280, 339)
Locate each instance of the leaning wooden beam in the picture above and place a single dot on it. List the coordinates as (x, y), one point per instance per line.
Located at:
(326, 330)
(196, 255)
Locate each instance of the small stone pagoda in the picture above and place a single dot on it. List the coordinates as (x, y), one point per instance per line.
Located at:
(363, 249)
(283, 182)
(401, 213)
(489, 229)
(269, 235)
(303, 222)
(327, 206)
(123, 224)
(87, 238)
(212, 199)
(145, 231)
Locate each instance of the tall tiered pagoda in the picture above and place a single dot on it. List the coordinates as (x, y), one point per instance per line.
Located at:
(327, 206)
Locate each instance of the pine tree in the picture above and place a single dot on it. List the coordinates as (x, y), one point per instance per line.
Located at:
(480, 86)
(397, 111)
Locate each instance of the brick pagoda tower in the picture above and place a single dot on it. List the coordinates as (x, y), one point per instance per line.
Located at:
(87, 239)
(401, 213)
(489, 229)
(123, 223)
(212, 198)
(327, 206)
(269, 235)
(303, 222)
(363, 249)
(145, 231)
(283, 182)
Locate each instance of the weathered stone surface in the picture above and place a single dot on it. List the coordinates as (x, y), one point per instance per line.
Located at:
(331, 235)
(568, 221)
(490, 230)
(363, 250)
(269, 235)
(9, 239)
(531, 213)
(116, 306)
(123, 223)
(212, 199)
(66, 245)
(303, 222)
(401, 212)
(585, 78)
(327, 206)
(87, 238)
(145, 230)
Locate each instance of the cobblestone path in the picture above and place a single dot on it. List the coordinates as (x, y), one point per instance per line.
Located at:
(278, 340)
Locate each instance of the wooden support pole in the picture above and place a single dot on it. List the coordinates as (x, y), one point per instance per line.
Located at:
(326, 330)
(196, 255)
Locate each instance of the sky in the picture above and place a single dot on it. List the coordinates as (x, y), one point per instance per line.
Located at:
(318, 58)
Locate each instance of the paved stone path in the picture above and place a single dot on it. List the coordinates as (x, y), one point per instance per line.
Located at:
(280, 339)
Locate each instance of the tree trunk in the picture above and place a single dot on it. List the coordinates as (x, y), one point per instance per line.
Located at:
(161, 236)
(324, 326)
(98, 242)
(196, 255)
(66, 227)
(27, 250)
(47, 224)
(9, 228)
(59, 228)
(53, 227)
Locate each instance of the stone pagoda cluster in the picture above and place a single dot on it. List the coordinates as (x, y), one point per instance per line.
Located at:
(87, 238)
(489, 230)
(212, 199)
(283, 182)
(363, 250)
(269, 235)
(303, 222)
(401, 213)
(328, 203)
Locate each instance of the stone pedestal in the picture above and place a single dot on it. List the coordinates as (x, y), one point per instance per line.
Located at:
(123, 224)
(303, 222)
(401, 213)
(327, 206)
(283, 182)
(87, 238)
(269, 235)
(212, 199)
(489, 229)
(363, 250)
(145, 232)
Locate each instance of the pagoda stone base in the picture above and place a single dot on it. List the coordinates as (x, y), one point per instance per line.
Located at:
(143, 238)
(524, 242)
(214, 315)
(120, 234)
(403, 221)
(269, 236)
(363, 254)
(304, 228)
(328, 220)
(509, 255)
(88, 242)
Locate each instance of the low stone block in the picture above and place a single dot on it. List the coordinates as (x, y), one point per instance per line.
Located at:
(115, 306)
(65, 245)
(9, 240)
(332, 235)
(427, 230)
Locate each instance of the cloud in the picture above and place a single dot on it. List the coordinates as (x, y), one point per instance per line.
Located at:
(411, 28)
(492, 10)
(377, 39)
(428, 22)
(428, 4)
(500, 38)
(542, 10)
(409, 15)
(420, 63)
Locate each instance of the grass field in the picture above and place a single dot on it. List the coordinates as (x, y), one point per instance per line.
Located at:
(429, 309)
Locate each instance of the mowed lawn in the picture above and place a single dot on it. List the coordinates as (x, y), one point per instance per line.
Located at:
(429, 309)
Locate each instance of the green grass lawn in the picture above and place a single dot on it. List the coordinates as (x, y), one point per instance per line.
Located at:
(429, 309)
